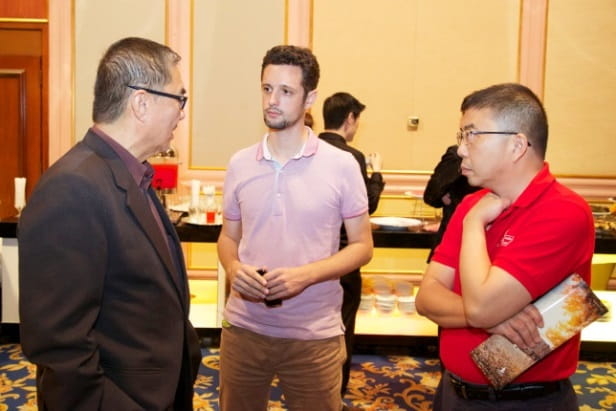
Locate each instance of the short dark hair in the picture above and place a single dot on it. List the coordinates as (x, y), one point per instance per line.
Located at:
(337, 107)
(295, 56)
(514, 107)
(131, 61)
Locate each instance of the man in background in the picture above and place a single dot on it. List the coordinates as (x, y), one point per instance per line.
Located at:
(284, 201)
(104, 293)
(446, 189)
(341, 118)
(505, 246)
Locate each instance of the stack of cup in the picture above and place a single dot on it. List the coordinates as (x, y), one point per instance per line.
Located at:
(406, 299)
(384, 296)
(366, 301)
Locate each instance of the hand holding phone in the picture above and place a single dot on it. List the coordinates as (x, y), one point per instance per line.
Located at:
(270, 303)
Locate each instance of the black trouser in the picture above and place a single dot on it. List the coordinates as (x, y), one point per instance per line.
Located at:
(446, 399)
(351, 285)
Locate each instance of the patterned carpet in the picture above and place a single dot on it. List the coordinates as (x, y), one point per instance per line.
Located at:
(378, 383)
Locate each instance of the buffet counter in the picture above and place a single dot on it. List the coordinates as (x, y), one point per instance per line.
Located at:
(190, 233)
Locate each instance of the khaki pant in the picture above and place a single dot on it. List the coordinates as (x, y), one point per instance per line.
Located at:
(309, 371)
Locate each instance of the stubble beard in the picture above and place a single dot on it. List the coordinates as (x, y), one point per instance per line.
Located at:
(276, 125)
(281, 124)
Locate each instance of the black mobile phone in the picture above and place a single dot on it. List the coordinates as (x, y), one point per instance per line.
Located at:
(270, 303)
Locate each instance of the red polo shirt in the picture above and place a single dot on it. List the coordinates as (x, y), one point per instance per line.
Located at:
(547, 234)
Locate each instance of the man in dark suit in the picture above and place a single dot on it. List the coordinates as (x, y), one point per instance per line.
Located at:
(341, 117)
(446, 189)
(104, 293)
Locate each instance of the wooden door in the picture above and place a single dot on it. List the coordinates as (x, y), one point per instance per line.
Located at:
(21, 126)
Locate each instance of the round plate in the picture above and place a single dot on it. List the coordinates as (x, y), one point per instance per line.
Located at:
(182, 207)
(395, 223)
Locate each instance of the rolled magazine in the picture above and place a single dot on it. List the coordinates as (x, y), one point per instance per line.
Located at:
(566, 310)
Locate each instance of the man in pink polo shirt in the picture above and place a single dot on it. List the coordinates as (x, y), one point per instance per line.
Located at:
(284, 201)
(505, 246)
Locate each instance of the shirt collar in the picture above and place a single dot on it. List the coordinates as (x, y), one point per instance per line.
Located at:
(333, 137)
(142, 173)
(307, 149)
(541, 182)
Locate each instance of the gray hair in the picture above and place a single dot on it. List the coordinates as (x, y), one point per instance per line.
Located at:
(131, 61)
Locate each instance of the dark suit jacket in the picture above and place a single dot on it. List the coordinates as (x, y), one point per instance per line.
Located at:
(103, 305)
(446, 178)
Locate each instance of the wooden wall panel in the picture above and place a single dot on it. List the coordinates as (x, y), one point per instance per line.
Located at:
(12, 135)
(16, 41)
(24, 9)
(21, 126)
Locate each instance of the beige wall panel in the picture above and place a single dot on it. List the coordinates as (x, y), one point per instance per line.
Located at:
(407, 58)
(230, 40)
(367, 48)
(462, 46)
(97, 25)
(580, 87)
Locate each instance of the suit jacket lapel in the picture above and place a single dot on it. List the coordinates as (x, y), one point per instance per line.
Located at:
(137, 202)
(173, 247)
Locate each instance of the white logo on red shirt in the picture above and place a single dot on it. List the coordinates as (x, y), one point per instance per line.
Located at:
(507, 239)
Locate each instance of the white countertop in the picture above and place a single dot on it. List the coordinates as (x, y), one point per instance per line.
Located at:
(373, 322)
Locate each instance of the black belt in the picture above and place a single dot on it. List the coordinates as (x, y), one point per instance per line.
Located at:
(526, 391)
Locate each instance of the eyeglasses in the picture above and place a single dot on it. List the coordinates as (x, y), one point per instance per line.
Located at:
(467, 136)
(180, 98)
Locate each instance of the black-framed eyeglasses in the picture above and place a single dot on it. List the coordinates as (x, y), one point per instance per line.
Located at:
(178, 97)
(467, 136)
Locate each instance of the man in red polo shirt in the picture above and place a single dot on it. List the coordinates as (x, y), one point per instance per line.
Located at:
(505, 246)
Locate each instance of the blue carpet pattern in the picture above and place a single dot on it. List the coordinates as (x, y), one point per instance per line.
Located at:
(378, 383)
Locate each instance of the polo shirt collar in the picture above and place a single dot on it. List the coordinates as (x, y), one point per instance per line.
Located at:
(542, 181)
(308, 149)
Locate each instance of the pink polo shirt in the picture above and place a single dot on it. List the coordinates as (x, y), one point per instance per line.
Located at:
(547, 234)
(291, 216)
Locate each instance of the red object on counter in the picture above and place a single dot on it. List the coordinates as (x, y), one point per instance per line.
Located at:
(210, 216)
(165, 176)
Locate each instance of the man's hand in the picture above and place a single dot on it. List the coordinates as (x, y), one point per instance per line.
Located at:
(376, 161)
(487, 209)
(285, 282)
(248, 282)
(522, 329)
(446, 199)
